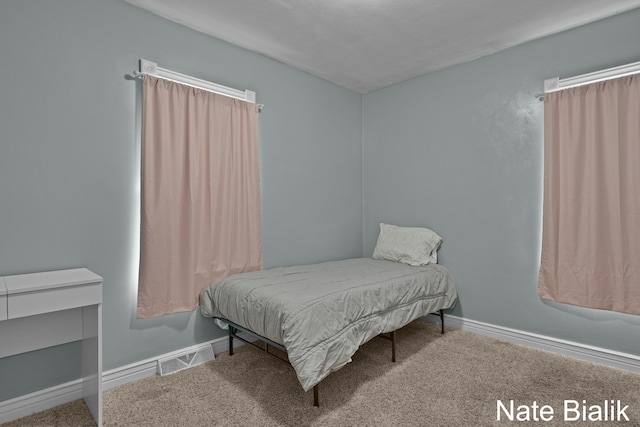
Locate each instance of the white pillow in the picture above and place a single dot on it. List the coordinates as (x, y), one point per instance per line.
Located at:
(409, 245)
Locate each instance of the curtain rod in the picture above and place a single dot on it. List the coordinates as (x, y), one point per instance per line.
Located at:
(555, 84)
(151, 68)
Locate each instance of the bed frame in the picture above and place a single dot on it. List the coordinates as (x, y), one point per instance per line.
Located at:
(233, 334)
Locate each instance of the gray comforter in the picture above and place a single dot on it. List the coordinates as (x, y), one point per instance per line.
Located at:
(323, 312)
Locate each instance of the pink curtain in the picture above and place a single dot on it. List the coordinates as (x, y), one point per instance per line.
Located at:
(591, 215)
(200, 214)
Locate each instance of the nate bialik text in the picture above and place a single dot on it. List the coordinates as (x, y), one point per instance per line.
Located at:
(572, 410)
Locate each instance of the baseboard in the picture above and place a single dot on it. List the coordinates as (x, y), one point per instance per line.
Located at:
(601, 356)
(42, 400)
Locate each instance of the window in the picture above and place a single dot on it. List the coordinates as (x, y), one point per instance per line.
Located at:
(591, 214)
(200, 213)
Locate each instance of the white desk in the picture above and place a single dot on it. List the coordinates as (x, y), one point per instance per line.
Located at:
(41, 310)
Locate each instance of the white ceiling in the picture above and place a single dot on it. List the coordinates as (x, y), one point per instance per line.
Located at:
(365, 45)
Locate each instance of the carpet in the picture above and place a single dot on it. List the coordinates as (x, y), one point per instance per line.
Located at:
(455, 379)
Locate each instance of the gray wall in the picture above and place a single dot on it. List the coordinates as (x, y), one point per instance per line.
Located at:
(460, 151)
(69, 163)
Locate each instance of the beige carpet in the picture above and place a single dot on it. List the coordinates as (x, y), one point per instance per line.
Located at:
(454, 379)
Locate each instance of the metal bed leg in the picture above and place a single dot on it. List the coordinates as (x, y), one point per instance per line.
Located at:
(231, 332)
(315, 396)
(442, 320)
(393, 346)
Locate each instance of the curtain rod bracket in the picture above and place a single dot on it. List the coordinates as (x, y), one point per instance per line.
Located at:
(148, 67)
(551, 85)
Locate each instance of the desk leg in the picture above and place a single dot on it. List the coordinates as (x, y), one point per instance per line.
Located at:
(92, 360)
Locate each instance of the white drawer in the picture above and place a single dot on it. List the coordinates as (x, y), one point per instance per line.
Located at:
(31, 294)
(37, 302)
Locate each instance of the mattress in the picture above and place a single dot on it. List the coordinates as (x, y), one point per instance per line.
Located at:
(322, 313)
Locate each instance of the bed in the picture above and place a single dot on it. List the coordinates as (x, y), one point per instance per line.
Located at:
(320, 314)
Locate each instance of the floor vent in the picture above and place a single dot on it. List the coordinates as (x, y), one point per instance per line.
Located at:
(178, 362)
